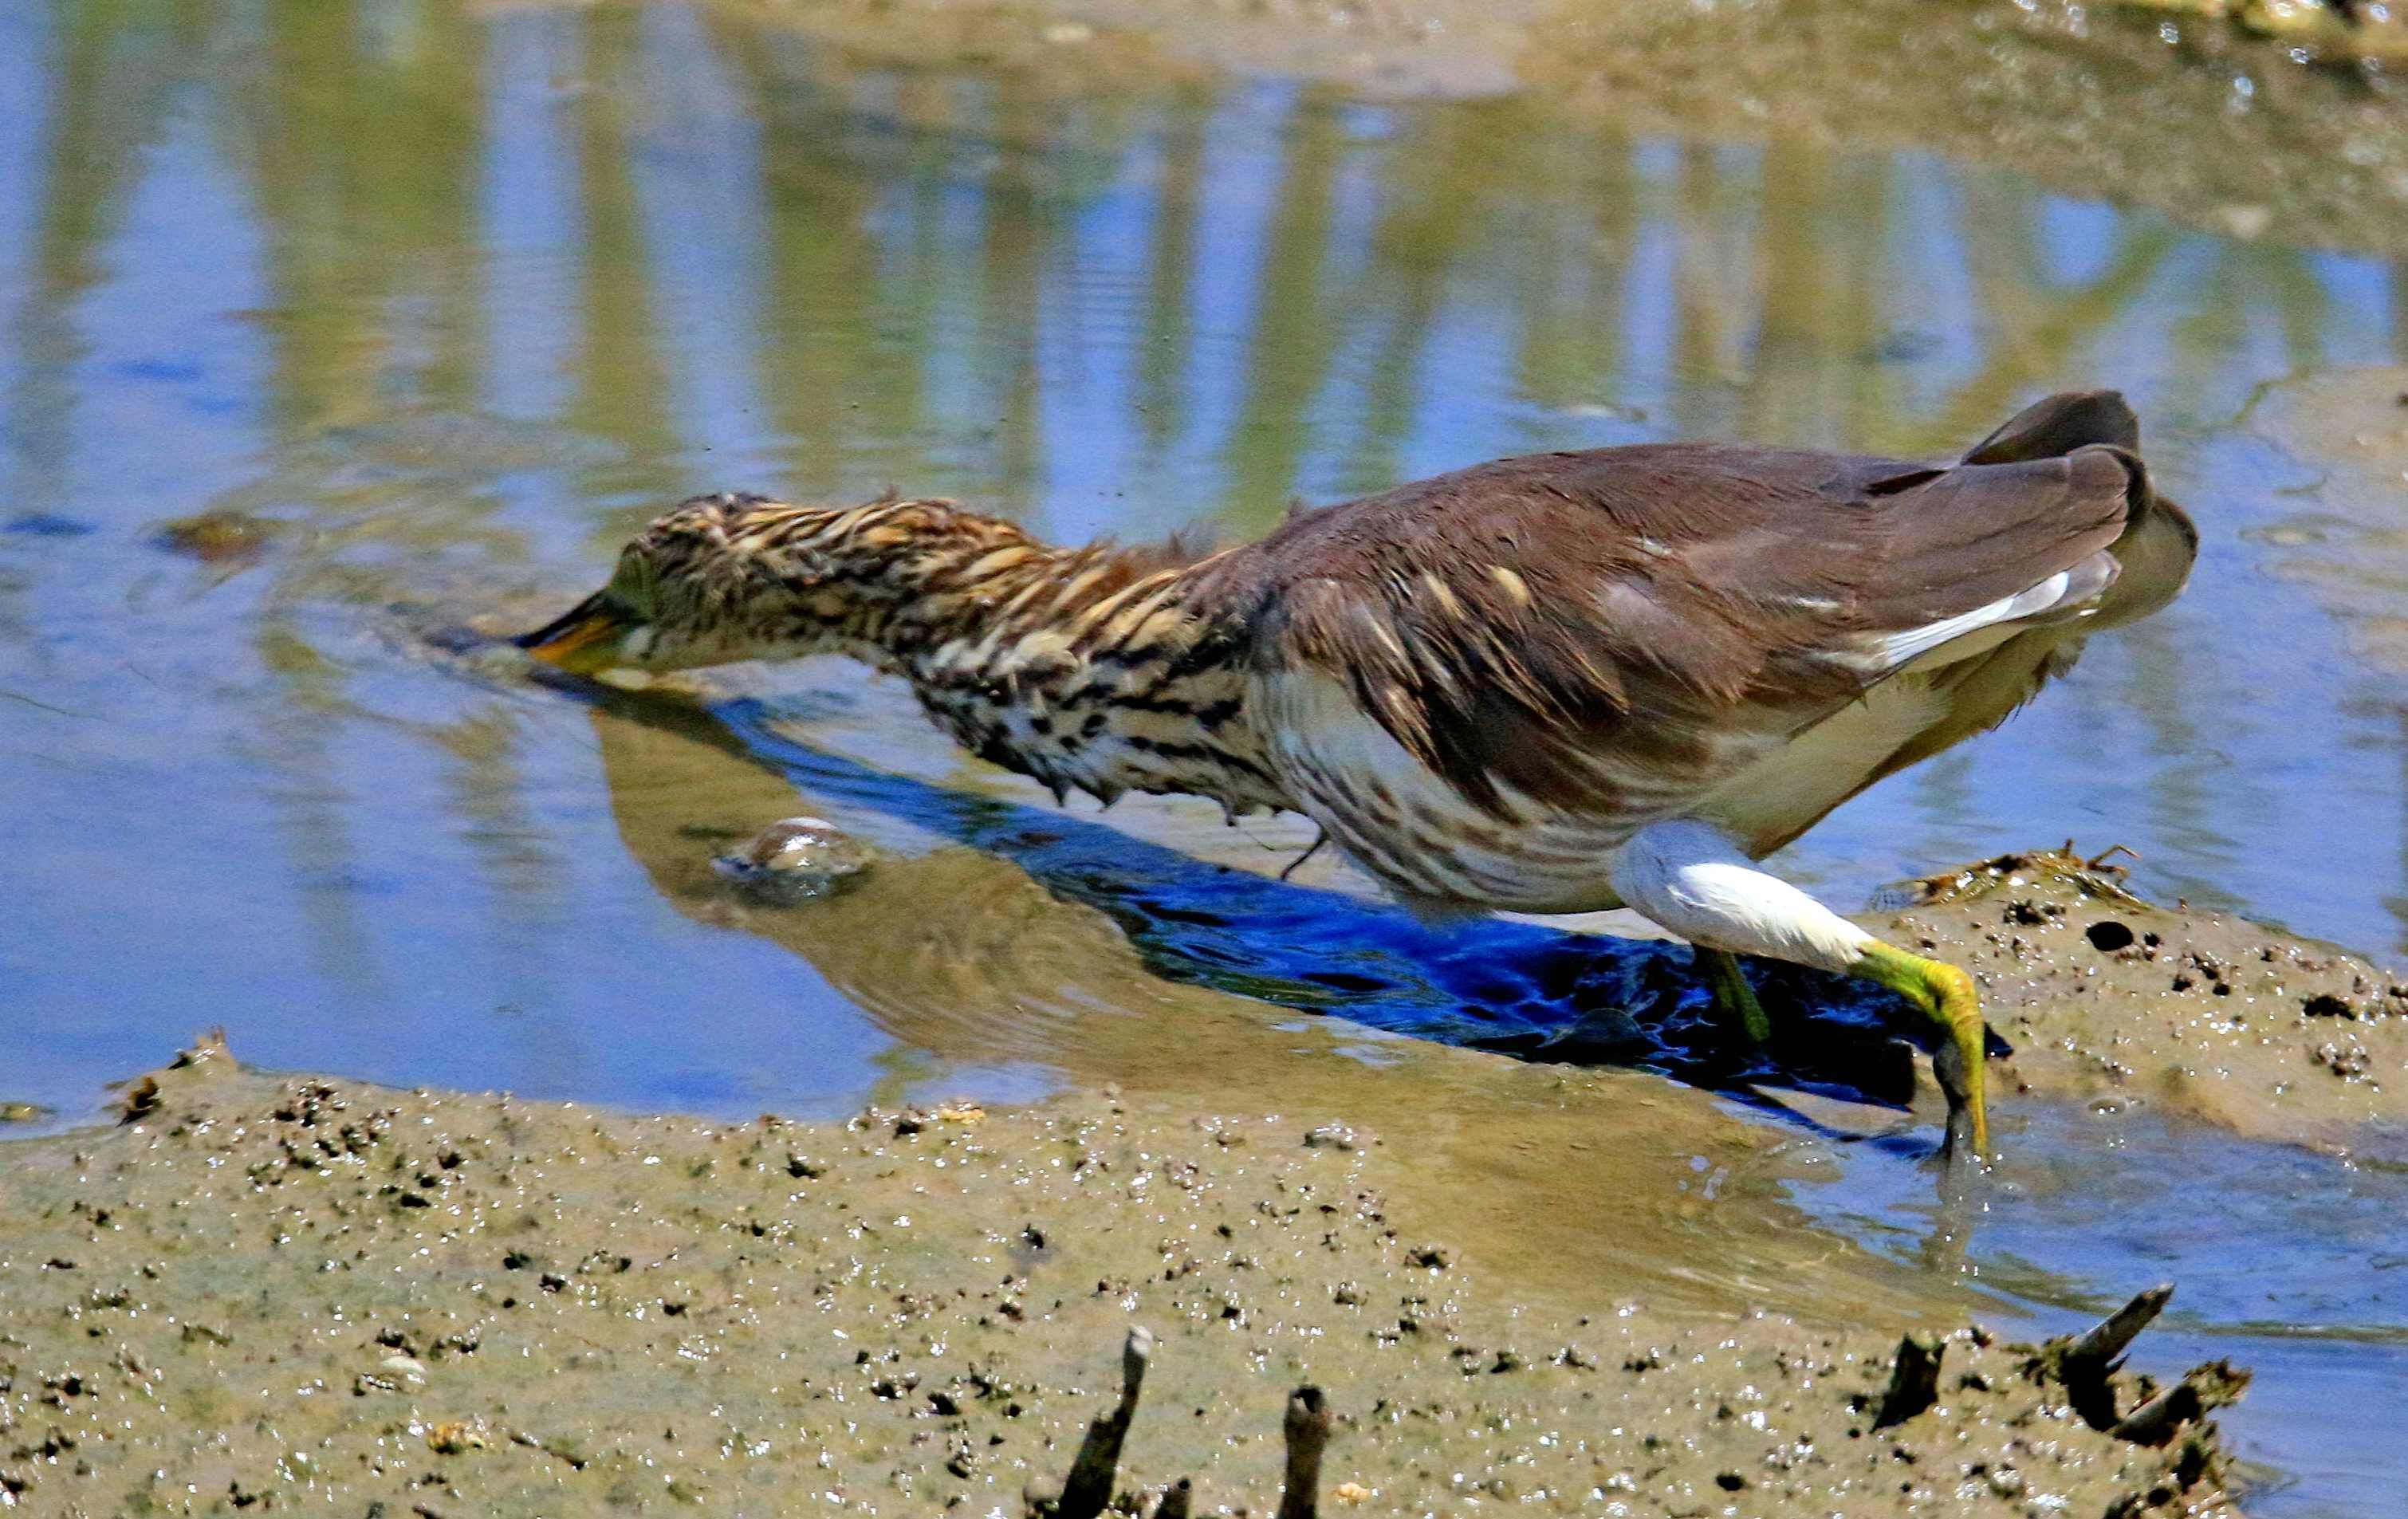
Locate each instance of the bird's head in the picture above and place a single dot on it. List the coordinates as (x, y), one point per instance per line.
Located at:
(727, 577)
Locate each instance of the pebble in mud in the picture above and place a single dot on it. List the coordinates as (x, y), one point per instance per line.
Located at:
(478, 1305)
(792, 860)
(219, 537)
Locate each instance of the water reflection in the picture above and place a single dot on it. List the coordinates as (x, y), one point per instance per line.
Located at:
(1511, 987)
(1018, 944)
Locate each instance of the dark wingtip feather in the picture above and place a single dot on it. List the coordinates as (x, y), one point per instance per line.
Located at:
(2056, 426)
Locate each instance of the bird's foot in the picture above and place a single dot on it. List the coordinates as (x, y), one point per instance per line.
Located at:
(1945, 994)
(1735, 1001)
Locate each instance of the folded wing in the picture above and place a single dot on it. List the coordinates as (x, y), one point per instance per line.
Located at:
(1622, 631)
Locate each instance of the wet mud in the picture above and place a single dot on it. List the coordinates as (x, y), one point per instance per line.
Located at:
(288, 1293)
(2120, 1004)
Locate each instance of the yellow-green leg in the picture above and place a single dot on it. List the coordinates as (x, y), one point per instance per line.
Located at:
(1688, 875)
(1945, 996)
(1734, 998)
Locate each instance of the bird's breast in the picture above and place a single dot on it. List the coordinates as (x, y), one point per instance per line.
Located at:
(1407, 825)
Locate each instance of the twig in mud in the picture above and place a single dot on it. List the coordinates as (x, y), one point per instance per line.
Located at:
(1914, 1380)
(2099, 861)
(2202, 1388)
(1093, 1471)
(2105, 1344)
(1307, 1427)
(1088, 1490)
(574, 1463)
(2084, 1363)
(140, 1102)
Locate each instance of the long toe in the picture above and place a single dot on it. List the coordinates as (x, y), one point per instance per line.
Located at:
(1945, 994)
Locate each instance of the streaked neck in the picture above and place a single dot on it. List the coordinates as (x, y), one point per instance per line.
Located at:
(1088, 669)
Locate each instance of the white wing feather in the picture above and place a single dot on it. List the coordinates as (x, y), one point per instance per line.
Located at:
(2066, 590)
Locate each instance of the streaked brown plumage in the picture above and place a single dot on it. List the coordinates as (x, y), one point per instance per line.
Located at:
(1520, 685)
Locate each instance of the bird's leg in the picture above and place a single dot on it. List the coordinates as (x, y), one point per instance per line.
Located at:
(1691, 879)
(1310, 851)
(1734, 998)
(1945, 994)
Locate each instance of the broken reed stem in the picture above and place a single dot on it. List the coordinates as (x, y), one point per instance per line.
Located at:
(2202, 1388)
(2108, 1339)
(1094, 1470)
(1096, 1467)
(1306, 1428)
(2084, 1364)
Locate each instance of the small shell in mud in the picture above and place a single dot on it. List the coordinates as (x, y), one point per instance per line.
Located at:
(792, 860)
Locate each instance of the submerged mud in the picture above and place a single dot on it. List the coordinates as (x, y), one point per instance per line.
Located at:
(309, 1295)
(2270, 120)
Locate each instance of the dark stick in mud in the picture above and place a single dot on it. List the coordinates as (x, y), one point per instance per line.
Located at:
(1307, 1427)
(2202, 1389)
(1093, 1471)
(2102, 1345)
(2084, 1363)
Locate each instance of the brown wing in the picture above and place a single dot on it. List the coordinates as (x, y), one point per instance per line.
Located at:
(1659, 613)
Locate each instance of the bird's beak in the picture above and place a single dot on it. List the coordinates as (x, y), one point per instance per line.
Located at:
(586, 640)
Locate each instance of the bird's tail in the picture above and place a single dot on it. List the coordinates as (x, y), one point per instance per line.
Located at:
(2055, 427)
(2159, 541)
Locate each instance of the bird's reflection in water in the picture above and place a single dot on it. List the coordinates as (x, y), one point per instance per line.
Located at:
(1042, 939)
(1507, 986)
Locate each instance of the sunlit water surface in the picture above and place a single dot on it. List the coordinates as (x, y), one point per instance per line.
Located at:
(445, 304)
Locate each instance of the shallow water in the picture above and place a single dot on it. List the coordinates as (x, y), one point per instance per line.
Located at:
(445, 303)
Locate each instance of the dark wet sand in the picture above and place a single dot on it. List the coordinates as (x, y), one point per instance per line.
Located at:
(298, 1295)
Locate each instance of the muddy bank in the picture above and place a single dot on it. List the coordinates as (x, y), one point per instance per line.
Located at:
(288, 1294)
(2282, 120)
(2117, 1004)
(2187, 115)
